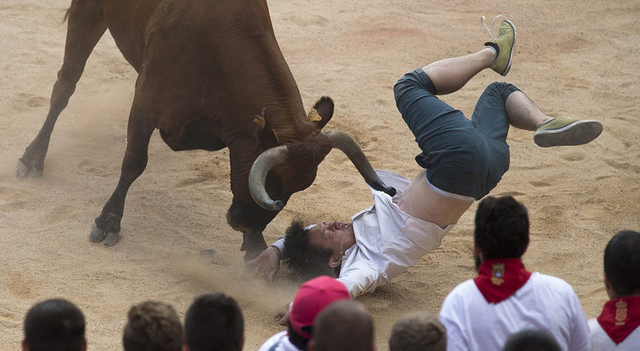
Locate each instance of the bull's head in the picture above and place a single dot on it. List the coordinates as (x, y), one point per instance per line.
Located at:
(294, 165)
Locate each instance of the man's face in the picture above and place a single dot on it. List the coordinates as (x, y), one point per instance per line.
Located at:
(329, 235)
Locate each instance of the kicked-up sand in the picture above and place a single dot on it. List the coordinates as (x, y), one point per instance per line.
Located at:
(574, 58)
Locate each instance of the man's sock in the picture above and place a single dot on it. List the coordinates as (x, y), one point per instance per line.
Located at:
(493, 47)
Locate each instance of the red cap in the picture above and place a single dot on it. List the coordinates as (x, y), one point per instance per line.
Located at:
(312, 297)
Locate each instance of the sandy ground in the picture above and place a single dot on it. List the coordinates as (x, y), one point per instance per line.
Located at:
(574, 58)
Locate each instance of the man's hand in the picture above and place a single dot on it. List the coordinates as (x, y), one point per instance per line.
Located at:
(283, 316)
(266, 264)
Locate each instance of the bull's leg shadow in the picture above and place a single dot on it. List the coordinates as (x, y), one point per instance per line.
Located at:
(86, 27)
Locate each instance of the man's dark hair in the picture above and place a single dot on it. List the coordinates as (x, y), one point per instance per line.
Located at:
(418, 331)
(622, 263)
(532, 340)
(214, 322)
(344, 325)
(501, 228)
(54, 324)
(305, 260)
(152, 326)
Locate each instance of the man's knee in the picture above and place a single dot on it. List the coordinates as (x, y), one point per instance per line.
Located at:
(415, 79)
(501, 89)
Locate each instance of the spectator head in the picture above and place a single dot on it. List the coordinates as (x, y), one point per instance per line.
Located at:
(531, 340)
(622, 264)
(152, 326)
(214, 322)
(304, 259)
(418, 331)
(54, 324)
(312, 297)
(501, 229)
(343, 326)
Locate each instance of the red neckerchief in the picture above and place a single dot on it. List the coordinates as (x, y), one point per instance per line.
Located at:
(620, 317)
(500, 278)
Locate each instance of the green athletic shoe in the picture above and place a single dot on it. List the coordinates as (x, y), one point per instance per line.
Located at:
(503, 44)
(566, 131)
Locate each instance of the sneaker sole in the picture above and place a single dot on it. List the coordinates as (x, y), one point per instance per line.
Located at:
(513, 26)
(577, 133)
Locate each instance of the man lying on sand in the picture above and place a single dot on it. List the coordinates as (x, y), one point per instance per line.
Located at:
(463, 161)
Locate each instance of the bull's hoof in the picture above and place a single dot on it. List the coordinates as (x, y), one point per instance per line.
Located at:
(97, 234)
(251, 254)
(209, 256)
(23, 171)
(112, 239)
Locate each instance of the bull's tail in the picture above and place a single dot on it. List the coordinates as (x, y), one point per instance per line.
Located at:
(74, 3)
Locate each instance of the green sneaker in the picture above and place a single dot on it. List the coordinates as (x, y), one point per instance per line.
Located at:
(567, 131)
(503, 44)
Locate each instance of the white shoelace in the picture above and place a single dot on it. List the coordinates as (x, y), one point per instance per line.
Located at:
(490, 28)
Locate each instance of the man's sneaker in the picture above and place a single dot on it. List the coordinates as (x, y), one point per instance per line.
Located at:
(567, 131)
(503, 44)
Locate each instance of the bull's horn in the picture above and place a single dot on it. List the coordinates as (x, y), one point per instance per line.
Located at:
(258, 175)
(344, 142)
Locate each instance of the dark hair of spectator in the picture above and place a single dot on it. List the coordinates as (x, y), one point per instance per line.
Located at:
(418, 331)
(532, 340)
(214, 322)
(344, 325)
(54, 324)
(501, 228)
(622, 263)
(152, 326)
(305, 260)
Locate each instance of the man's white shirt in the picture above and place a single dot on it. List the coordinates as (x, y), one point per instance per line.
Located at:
(388, 240)
(544, 302)
(278, 342)
(600, 341)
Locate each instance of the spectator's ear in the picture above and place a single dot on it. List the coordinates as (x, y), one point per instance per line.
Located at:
(608, 288)
(84, 345)
(311, 345)
(335, 261)
(242, 343)
(25, 347)
(477, 251)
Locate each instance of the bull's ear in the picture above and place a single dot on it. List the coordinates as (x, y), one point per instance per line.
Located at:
(264, 134)
(323, 112)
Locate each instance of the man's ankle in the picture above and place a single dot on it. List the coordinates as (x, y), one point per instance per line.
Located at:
(494, 47)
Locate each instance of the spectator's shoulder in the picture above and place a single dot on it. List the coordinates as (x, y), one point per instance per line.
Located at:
(462, 290)
(550, 280)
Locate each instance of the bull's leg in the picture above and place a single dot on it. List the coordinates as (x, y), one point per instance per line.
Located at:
(244, 214)
(86, 26)
(252, 244)
(140, 128)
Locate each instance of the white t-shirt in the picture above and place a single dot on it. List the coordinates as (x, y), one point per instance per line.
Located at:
(600, 341)
(544, 302)
(388, 240)
(278, 342)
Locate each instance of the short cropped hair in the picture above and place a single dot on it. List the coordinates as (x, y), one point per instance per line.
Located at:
(532, 340)
(501, 228)
(214, 322)
(622, 263)
(54, 324)
(152, 326)
(345, 325)
(305, 260)
(418, 331)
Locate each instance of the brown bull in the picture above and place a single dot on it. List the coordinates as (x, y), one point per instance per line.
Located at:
(210, 75)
